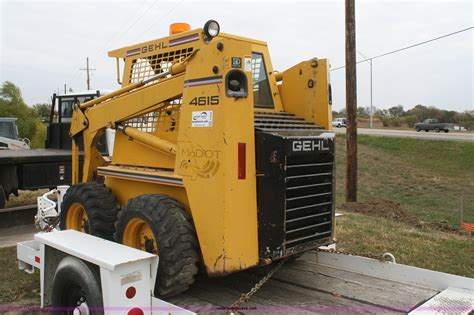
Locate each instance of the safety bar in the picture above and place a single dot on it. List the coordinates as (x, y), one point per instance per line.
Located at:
(173, 70)
(149, 140)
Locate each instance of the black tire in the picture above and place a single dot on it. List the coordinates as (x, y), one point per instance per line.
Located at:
(437, 130)
(75, 283)
(98, 202)
(3, 198)
(426, 130)
(446, 130)
(418, 129)
(175, 236)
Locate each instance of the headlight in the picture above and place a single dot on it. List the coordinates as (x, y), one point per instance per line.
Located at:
(211, 28)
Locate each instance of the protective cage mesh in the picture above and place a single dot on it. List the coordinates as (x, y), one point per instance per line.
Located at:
(165, 119)
(144, 68)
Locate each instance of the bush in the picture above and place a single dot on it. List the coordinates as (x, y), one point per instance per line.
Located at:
(40, 136)
(12, 105)
(410, 120)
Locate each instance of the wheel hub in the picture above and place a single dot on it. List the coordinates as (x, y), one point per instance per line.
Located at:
(77, 219)
(82, 308)
(138, 234)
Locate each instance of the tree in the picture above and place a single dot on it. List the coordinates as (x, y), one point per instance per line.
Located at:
(363, 112)
(12, 105)
(396, 111)
(43, 110)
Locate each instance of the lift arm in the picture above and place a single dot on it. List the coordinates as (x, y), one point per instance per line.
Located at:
(92, 118)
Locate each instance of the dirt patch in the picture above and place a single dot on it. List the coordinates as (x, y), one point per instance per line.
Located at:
(445, 227)
(382, 208)
(392, 210)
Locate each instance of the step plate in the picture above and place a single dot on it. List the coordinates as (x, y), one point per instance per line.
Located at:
(449, 301)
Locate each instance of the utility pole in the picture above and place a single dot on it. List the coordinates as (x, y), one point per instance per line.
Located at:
(371, 93)
(351, 103)
(64, 88)
(88, 75)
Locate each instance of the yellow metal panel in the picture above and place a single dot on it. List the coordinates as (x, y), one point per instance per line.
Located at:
(223, 207)
(128, 152)
(125, 189)
(128, 105)
(157, 45)
(305, 91)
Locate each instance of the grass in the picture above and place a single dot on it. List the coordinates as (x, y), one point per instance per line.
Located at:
(16, 285)
(425, 248)
(427, 178)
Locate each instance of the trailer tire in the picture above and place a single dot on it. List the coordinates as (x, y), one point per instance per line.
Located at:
(160, 225)
(76, 284)
(90, 208)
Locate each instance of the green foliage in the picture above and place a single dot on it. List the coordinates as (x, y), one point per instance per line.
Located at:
(43, 110)
(38, 141)
(12, 105)
(363, 112)
(410, 120)
(396, 111)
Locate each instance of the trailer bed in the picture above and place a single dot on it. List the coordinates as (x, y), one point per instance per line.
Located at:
(307, 286)
(34, 156)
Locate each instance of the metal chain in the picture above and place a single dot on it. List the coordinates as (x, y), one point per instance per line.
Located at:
(246, 296)
(369, 255)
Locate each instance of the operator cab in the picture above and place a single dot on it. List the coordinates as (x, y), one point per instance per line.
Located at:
(61, 116)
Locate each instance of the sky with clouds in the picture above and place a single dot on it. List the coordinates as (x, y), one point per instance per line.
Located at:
(43, 44)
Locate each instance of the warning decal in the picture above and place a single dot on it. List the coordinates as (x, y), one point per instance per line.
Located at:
(248, 63)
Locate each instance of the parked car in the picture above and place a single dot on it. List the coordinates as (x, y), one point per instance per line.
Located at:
(339, 123)
(433, 124)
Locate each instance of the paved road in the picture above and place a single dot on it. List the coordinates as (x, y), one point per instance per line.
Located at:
(451, 136)
(12, 235)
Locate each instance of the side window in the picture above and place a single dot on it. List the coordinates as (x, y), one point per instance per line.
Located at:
(262, 95)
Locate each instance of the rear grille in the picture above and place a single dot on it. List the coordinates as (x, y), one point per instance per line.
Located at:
(295, 194)
(271, 121)
(309, 189)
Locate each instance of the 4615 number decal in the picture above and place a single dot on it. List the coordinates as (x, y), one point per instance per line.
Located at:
(205, 100)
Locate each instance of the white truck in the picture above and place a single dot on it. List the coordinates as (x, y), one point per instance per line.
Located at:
(339, 123)
(83, 274)
(9, 139)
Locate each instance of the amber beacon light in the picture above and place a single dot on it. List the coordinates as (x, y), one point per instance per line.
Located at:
(176, 28)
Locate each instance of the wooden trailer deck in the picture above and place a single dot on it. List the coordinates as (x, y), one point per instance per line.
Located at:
(309, 286)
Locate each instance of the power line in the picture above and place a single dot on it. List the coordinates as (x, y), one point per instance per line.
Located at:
(139, 18)
(408, 47)
(162, 17)
(120, 34)
(133, 24)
